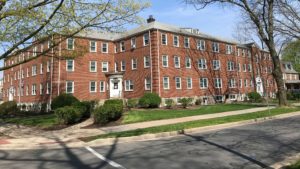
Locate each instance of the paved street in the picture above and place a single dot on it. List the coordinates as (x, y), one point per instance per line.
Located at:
(247, 147)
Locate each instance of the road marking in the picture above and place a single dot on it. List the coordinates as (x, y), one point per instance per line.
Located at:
(112, 163)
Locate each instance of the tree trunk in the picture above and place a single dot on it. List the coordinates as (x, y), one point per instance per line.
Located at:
(277, 74)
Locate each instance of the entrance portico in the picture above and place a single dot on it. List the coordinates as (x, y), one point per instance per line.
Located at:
(115, 81)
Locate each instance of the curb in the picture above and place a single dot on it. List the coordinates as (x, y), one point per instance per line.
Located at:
(147, 137)
(286, 162)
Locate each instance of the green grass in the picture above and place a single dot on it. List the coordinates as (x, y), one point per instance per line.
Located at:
(41, 121)
(294, 166)
(149, 115)
(194, 124)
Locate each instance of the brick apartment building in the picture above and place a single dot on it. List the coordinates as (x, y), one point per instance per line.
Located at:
(1, 90)
(171, 61)
(290, 76)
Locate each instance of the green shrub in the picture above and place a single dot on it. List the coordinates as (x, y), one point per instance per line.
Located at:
(290, 96)
(185, 102)
(8, 108)
(63, 100)
(150, 100)
(87, 107)
(132, 103)
(198, 102)
(107, 113)
(254, 97)
(68, 114)
(114, 101)
(169, 103)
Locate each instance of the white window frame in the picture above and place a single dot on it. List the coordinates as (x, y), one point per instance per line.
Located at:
(186, 42)
(177, 61)
(200, 44)
(165, 61)
(93, 71)
(128, 85)
(72, 82)
(148, 83)
(95, 86)
(41, 68)
(134, 63)
(73, 65)
(48, 66)
(229, 49)
(122, 46)
(166, 80)
(133, 42)
(48, 88)
(232, 83)
(123, 65)
(230, 65)
(202, 65)
(145, 61)
(216, 65)
(177, 41)
(215, 47)
(189, 83)
(102, 86)
(178, 82)
(164, 39)
(73, 43)
(95, 46)
(219, 82)
(188, 61)
(201, 83)
(107, 66)
(33, 89)
(102, 47)
(41, 89)
(144, 39)
(33, 69)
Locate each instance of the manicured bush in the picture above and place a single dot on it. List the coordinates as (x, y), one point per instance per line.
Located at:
(169, 103)
(114, 101)
(150, 100)
(254, 97)
(8, 108)
(87, 107)
(132, 103)
(107, 113)
(63, 100)
(185, 102)
(198, 102)
(68, 114)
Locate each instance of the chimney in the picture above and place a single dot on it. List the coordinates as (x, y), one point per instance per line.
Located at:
(150, 19)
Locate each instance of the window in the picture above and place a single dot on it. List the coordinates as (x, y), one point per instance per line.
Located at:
(48, 88)
(215, 47)
(176, 41)
(146, 61)
(93, 46)
(164, 39)
(41, 69)
(27, 90)
(116, 67)
(189, 82)
(186, 42)
(232, 83)
(229, 49)
(203, 83)
(123, 65)
(93, 66)
(41, 89)
(70, 87)
(245, 82)
(33, 73)
(33, 90)
(241, 83)
(70, 65)
(93, 87)
(230, 66)
(133, 43)
(249, 67)
(166, 83)
(70, 44)
(104, 66)
(232, 97)
(218, 98)
(147, 84)
(177, 61)
(48, 66)
(188, 62)
(239, 67)
(146, 39)
(102, 86)
(133, 64)
(27, 73)
(216, 64)
(200, 44)
(251, 83)
(122, 46)
(244, 68)
(238, 52)
(178, 82)
(34, 51)
(243, 52)
(128, 85)
(165, 61)
(218, 82)
(202, 64)
(104, 48)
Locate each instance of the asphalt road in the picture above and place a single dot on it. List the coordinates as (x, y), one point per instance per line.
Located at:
(247, 147)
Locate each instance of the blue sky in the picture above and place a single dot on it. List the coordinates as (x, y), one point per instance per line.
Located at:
(211, 20)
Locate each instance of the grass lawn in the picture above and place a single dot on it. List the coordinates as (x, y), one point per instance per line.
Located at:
(41, 121)
(294, 166)
(149, 115)
(194, 124)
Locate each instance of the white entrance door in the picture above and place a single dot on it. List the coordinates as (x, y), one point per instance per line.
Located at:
(259, 86)
(10, 95)
(115, 87)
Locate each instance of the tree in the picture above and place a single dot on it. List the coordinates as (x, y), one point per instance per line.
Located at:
(24, 22)
(263, 17)
(292, 53)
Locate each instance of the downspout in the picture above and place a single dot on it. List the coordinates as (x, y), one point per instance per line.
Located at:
(151, 60)
(51, 73)
(59, 56)
(158, 62)
(20, 79)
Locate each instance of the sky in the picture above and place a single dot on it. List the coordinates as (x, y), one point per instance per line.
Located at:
(212, 20)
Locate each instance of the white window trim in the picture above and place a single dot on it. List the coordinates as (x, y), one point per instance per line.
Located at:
(167, 59)
(123, 70)
(132, 61)
(188, 42)
(133, 45)
(33, 92)
(162, 39)
(199, 42)
(106, 47)
(41, 89)
(205, 63)
(218, 47)
(187, 83)
(41, 68)
(72, 86)
(121, 50)
(190, 61)
(219, 65)
(177, 66)
(102, 91)
(73, 67)
(145, 66)
(91, 46)
(95, 66)
(73, 44)
(177, 40)
(91, 86)
(144, 44)
(103, 66)
(168, 80)
(146, 84)
(179, 82)
(232, 85)
(220, 83)
(129, 81)
(206, 79)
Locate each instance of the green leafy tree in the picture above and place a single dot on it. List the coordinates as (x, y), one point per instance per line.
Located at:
(291, 53)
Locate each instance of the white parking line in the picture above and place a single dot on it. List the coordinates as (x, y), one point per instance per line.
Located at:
(112, 163)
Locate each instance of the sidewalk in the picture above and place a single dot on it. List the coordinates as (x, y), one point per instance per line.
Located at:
(28, 138)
